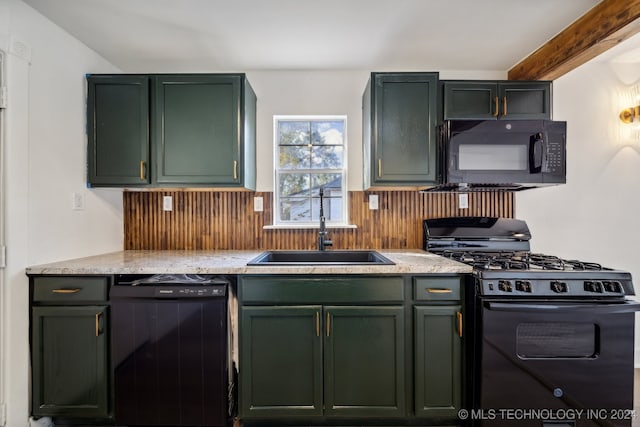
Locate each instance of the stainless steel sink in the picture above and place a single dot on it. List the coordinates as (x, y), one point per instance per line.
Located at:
(356, 257)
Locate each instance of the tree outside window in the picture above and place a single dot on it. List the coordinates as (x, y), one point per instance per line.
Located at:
(310, 153)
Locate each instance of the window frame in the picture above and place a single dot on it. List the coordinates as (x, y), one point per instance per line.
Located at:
(277, 221)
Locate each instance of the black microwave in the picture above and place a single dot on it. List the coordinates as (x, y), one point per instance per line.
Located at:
(502, 154)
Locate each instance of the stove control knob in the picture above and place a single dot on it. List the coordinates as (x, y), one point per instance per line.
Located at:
(559, 287)
(612, 286)
(505, 286)
(590, 286)
(523, 286)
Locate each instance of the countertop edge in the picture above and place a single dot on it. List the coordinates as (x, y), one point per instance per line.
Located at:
(230, 262)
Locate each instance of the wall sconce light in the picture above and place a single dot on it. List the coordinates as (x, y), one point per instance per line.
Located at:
(631, 114)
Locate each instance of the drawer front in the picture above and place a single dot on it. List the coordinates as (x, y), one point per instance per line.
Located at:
(70, 289)
(321, 290)
(437, 288)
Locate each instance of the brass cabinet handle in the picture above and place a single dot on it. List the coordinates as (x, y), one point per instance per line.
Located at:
(379, 168)
(496, 112)
(235, 169)
(328, 324)
(439, 291)
(459, 316)
(142, 170)
(317, 324)
(98, 331)
(504, 106)
(66, 291)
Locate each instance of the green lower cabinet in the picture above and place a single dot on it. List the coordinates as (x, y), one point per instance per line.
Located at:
(438, 362)
(364, 362)
(69, 361)
(281, 362)
(311, 361)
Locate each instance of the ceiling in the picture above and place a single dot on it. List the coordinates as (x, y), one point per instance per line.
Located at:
(251, 35)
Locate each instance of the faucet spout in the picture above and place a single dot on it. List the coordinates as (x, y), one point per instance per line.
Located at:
(323, 241)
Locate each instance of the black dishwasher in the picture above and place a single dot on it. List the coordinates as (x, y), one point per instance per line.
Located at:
(170, 350)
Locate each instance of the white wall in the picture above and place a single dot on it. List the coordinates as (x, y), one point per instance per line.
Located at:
(595, 215)
(307, 93)
(45, 158)
(318, 93)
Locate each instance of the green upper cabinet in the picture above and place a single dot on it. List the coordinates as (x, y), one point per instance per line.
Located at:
(399, 114)
(198, 132)
(118, 133)
(496, 100)
(202, 129)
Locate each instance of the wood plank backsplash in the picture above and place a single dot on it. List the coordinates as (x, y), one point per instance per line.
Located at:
(226, 220)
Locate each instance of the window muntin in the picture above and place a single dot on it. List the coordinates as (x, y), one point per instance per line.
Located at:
(310, 153)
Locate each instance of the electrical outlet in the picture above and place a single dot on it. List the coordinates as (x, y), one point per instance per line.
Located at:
(373, 202)
(258, 205)
(167, 203)
(463, 201)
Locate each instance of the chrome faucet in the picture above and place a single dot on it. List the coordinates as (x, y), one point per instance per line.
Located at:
(323, 242)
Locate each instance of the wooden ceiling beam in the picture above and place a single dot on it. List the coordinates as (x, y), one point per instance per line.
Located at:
(604, 26)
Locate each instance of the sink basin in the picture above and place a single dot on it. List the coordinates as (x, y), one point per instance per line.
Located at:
(277, 258)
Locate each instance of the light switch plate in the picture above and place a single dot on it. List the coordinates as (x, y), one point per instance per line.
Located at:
(258, 204)
(167, 203)
(373, 202)
(77, 201)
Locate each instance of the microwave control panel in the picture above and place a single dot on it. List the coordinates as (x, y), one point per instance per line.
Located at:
(555, 158)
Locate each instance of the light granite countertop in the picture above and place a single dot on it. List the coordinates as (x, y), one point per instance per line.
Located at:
(410, 261)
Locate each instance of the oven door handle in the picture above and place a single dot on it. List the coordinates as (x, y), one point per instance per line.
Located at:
(628, 306)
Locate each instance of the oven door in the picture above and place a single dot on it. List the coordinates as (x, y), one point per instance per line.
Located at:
(555, 364)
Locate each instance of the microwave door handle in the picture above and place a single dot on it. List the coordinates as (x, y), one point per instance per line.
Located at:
(535, 153)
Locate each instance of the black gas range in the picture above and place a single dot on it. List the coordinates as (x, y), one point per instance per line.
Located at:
(553, 338)
(499, 251)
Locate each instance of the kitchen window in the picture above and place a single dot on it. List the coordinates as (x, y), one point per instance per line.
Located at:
(310, 153)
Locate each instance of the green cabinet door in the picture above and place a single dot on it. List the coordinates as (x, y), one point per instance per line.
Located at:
(525, 100)
(496, 100)
(400, 122)
(438, 363)
(69, 361)
(470, 100)
(364, 362)
(280, 361)
(117, 130)
(197, 129)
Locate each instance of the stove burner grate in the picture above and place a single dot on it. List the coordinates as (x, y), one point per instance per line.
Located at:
(518, 260)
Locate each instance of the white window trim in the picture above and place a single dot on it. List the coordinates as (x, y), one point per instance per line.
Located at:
(345, 170)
